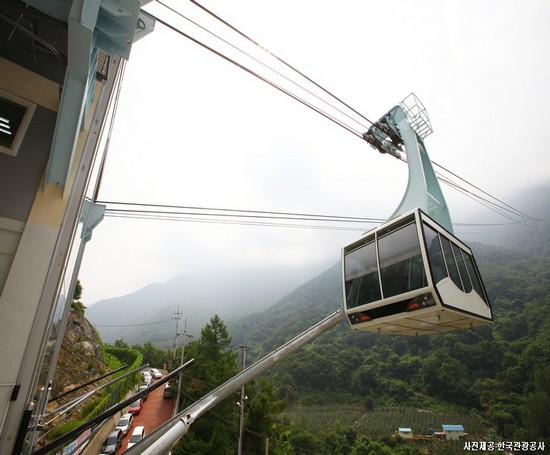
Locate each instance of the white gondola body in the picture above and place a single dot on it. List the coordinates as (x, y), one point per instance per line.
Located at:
(411, 276)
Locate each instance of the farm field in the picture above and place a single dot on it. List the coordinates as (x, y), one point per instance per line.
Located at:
(382, 421)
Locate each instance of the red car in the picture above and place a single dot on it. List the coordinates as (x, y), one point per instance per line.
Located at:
(135, 407)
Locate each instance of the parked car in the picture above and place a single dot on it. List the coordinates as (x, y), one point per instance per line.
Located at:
(137, 435)
(168, 391)
(125, 423)
(155, 373)
(135, 407)
(146, 377)
(141, 388)
(112, 443)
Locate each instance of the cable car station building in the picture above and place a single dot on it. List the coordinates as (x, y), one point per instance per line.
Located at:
(61, 64)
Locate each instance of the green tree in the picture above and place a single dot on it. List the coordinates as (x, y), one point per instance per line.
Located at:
(338, 441)
(367, 446)
(76, 304)
(260, 411)
(120, 343)
(537, 419)
(77, 295)
(446, 377)
(305, 443)
(215, 433)
(153, 356)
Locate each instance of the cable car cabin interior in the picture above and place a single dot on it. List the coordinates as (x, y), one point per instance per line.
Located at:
(410, 276)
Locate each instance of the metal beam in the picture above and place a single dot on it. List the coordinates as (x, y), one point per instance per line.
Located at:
(162, 440)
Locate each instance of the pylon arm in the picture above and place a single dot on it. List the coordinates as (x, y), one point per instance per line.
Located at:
(407, 125)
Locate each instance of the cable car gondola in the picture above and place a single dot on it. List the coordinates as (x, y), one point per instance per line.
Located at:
(411, 275)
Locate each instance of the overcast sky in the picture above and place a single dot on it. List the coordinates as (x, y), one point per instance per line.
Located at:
(194, 130)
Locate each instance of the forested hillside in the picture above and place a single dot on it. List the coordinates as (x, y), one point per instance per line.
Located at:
(498, 372)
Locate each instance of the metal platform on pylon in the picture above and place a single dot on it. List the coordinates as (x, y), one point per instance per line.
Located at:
(417, 115)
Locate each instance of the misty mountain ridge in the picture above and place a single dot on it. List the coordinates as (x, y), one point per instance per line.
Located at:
(148, 314)
(532, 236)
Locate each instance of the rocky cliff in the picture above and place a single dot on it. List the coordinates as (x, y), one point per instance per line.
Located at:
(80, 359)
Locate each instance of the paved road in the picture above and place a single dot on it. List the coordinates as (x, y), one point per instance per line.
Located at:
(155, 411)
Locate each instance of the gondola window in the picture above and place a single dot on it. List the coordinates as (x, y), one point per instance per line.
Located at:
(435, 254)
(401, 264)
(362, 282)
(462, 269)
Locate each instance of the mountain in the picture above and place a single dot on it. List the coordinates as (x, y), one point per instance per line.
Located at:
(300, 309)
(534, 237)
(147, 315)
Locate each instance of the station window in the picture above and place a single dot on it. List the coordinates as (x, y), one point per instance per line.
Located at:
(15, 116)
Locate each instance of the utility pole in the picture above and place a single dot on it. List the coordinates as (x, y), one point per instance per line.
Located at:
(241, 403)
(183, 344)
(177, 317)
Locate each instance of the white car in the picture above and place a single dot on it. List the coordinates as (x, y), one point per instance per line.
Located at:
(155, 373)
(137, 435)
(142, 388)
(125, 423)
(167, 391)
(146, 377)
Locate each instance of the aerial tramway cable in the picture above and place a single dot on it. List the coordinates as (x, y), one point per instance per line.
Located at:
(240, 223)
(207, 215)
(259, 76)
(259, 212)
(502, 211)
(281, 60)
(234, 216)
(499, 206)
(512, 209)
(265, 65)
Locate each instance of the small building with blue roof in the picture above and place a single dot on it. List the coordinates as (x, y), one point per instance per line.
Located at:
(453, 432)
